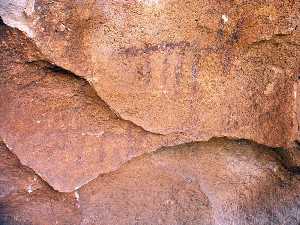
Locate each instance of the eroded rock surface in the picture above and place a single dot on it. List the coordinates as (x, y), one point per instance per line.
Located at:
(197, 68)
(165, 73)
(216, 183)
(27, 200)
(57, 125)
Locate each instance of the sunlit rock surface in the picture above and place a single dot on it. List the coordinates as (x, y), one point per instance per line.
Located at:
(57, 125)
(94, 94)
(196, 68)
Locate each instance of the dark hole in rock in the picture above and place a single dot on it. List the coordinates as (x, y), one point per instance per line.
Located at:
(58, 69)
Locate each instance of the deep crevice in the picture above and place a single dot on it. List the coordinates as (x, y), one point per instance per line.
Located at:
(286, 160)
(281, 153)
(54, 68)
(59, 70)
(294, 170)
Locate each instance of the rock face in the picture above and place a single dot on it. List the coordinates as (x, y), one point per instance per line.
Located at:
(216, 183)
(195, 68)
(57, 125)
(107, 101)
(26, 200)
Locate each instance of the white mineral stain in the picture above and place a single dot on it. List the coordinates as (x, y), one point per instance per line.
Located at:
(61, 27)
(225, 18)
(29, 9)
(76, 195)
(96, 134)
(29, 189)
(15, 14)
(150, 2)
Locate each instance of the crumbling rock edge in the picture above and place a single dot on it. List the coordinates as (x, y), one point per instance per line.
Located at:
(294, 171)
(86, 202)
(283, 159)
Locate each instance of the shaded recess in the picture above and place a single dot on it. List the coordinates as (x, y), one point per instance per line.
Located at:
(220, 182)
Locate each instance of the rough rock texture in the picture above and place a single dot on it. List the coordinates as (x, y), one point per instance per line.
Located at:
(298, 107)
(57, 125)
(94, 93)
(291, 156)
(26, 200)
(197, 68)
(295, 156)
(219, 182)
(216, 183)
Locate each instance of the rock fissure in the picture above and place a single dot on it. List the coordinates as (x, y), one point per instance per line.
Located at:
(149, 112)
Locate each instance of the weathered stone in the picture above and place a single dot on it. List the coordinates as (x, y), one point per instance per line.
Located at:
(219, 182)
(291, 157)
(295, 156)
(198, 68)
(184, 70)
(57, 125)
(216, 183)
(26, 200)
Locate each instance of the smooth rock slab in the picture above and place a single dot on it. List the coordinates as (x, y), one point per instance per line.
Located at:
(57, 125)
(198, 68)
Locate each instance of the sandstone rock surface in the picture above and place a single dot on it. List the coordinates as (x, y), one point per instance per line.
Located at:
(57, 125)
(216, 183)
(196, 68)
(27, 200)
(94, 94)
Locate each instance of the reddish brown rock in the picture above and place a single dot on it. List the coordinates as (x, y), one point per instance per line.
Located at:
(297, 107)
(197, 68)
(26, 200)
(219, 182)
(56, 124)
(187, 70)
(291, 156)
(216, 183)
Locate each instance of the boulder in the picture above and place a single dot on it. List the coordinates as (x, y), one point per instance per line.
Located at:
(220, 182)
(195, 68)
(107, 101)
(57, 125)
